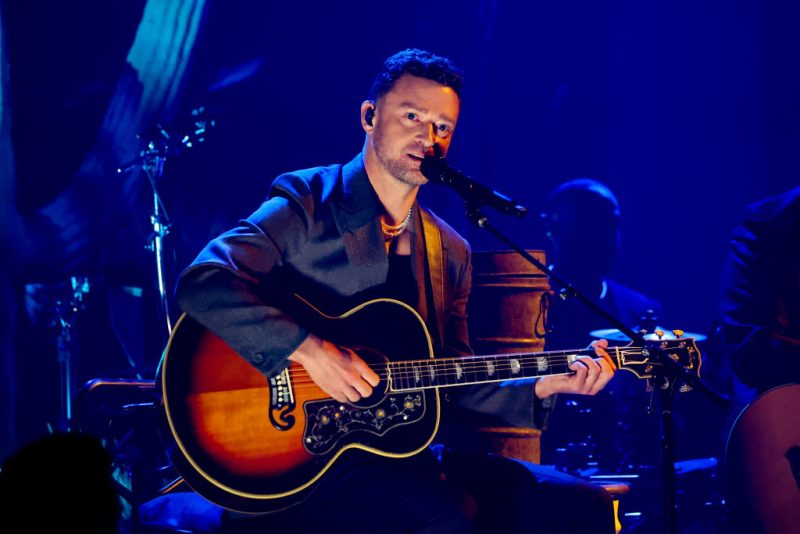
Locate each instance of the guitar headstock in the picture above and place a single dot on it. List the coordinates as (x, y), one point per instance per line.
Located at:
(658, 358)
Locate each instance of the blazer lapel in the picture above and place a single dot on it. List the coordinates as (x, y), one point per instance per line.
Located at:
(356, 215)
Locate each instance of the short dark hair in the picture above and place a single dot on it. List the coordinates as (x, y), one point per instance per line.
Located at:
(417, 63)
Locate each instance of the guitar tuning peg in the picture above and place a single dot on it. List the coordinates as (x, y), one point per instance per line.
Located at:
(678, 333)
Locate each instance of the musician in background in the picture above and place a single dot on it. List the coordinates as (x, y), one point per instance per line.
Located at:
(760, 319)
(582, 222)
(341, 235)
(759, 332)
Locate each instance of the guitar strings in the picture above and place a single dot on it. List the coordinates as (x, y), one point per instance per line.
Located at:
(461, 365)
(468, 364)
(301, 377)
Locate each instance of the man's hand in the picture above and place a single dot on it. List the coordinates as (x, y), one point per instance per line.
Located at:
(591, 375)
(340, 372)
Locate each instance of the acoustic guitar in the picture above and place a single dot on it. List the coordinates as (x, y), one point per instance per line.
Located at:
(256, 444)
(762, 463)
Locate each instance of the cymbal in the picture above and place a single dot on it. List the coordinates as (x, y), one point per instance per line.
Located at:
(612, 334)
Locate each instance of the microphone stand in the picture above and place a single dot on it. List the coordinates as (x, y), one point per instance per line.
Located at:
(676, 373)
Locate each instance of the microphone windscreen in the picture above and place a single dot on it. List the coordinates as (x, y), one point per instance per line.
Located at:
(433, 169)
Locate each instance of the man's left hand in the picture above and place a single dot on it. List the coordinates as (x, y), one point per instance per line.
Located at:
(590, 375)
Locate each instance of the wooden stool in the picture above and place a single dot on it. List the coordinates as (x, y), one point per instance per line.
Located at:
(521, 443)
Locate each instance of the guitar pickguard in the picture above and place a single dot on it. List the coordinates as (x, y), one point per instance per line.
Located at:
(328, 422)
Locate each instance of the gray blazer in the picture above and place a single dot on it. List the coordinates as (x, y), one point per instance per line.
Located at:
(317, 234)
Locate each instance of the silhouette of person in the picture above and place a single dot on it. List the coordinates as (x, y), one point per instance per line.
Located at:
(59, 483)
(760, 305)
(759, 335)
(582, 220)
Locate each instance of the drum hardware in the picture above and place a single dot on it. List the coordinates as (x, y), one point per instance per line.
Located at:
(62, 303)
(157, 145)
(124, 411)
(614, 334)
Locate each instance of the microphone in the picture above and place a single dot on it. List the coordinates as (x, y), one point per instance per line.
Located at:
(437, 170)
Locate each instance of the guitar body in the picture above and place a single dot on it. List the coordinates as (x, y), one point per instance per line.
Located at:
(257, 444)
(763, 463)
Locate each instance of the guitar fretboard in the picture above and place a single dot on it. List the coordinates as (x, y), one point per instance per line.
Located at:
(443, 372)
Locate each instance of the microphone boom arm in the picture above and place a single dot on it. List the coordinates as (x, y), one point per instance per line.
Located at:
(437, 170)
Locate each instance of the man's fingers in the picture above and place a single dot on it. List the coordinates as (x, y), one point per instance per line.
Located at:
(580, 371)
(368, 374)
(600, 347)
(592, 377)
(341, 397)
(363, 388)
(589, 364)
(362, 377)
(352, 395)
(606, 373)
(587, 374)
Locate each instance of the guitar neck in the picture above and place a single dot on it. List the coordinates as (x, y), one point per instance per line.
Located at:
(443, 372)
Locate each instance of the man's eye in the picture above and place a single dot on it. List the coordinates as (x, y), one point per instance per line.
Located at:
(411, 116)
(443, 130)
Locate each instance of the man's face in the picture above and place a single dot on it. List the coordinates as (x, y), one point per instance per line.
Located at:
(409, 119)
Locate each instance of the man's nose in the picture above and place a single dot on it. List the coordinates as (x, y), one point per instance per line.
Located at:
(428, 135)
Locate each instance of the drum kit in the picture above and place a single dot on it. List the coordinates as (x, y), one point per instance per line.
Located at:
(89, 303)
(107, 332)
(614, 437)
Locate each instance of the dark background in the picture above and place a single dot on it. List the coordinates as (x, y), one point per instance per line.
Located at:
(688, 110)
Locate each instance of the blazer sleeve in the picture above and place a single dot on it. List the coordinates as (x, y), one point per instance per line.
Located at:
(227, 288)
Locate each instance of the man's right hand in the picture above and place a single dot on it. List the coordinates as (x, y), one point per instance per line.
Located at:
(339, 371)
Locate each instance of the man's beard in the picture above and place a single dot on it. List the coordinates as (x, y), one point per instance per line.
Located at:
(401, 169)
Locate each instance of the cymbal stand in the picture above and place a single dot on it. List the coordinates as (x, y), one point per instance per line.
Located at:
(65, 321)
(151, 160)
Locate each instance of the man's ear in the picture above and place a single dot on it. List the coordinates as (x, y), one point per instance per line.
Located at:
(367, 115)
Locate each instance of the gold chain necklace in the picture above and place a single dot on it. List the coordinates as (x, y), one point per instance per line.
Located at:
(392, 231)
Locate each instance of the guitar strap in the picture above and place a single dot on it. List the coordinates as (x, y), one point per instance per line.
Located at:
(433, 247)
